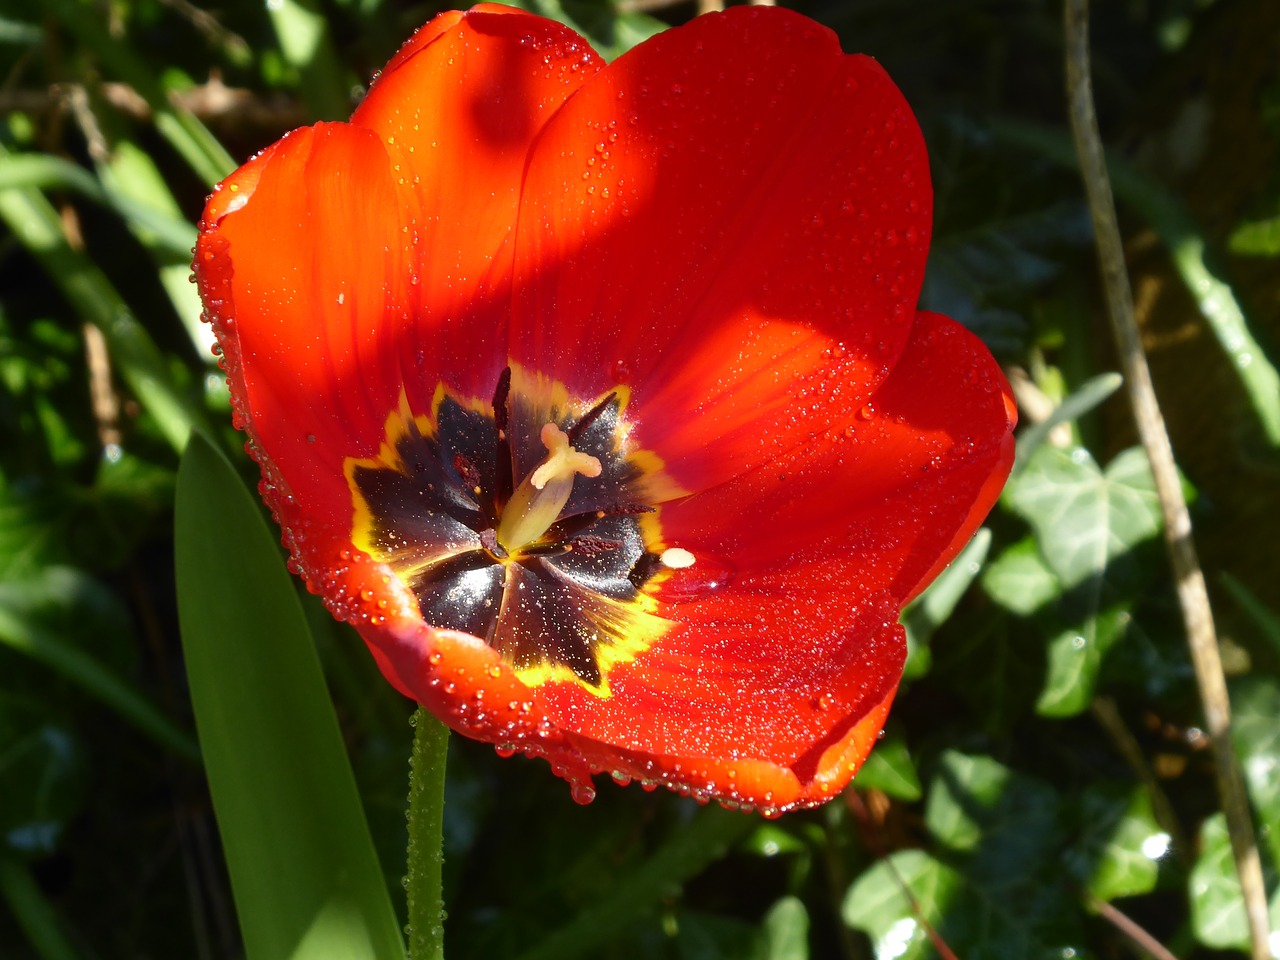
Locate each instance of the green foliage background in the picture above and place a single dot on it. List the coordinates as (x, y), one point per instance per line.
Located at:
(1043, 763)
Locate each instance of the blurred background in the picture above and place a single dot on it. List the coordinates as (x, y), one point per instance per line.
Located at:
(1043, 785)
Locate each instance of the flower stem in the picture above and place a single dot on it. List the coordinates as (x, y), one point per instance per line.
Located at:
(426, 828)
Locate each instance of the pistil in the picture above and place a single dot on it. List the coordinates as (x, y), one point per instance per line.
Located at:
(537, 502)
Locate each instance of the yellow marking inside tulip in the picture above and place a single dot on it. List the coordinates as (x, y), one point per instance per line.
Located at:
(537, 502)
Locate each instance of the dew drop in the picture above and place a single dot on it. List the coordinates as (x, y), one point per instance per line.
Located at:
(703, 577)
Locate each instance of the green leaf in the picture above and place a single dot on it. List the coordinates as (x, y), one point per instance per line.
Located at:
(304, 873)
(997, 892)
(972, 797)
(33, 911)
(1085, 521)
(1091, 393)
(902, 897)
(55, 617)
(1074, 658)
(179, 126)
(1186, 243)
(1217, 909)
(1255, 702)
(687, 851)
(1263, 617)
(35, 223)
(1256, 238)
(932, 608)
(889, 768)
(786, 931)
(612, 32)
(1121, 845)
(1084, 518)
(889, 901)
(1019, 579)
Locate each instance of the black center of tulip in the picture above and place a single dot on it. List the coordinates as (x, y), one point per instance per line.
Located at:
(517, 522)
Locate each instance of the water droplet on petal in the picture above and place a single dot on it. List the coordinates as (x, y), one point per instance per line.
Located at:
(704, 576)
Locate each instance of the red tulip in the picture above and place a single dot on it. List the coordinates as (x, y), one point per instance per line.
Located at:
(596, 398)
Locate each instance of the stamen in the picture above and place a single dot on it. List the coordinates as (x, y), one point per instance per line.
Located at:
(590, 417)
(504, 483)
(537, 502)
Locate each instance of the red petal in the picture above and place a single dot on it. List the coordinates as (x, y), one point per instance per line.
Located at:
(458, 108)
(338, 268)
(706, 218)
(800, 647)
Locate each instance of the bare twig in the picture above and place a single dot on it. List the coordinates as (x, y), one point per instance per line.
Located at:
(1144, 941)
(1192, 594)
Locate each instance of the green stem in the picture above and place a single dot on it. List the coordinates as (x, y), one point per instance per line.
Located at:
(426, 829)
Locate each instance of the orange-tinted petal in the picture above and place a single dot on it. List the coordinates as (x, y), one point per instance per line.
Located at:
(731, 217)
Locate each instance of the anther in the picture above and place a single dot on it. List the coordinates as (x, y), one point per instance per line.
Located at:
(537, 502)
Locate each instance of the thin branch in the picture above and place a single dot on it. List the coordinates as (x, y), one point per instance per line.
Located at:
(1192, 594)
(1138, 936)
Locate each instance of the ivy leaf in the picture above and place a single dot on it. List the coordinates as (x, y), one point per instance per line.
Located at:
(932, 608)
(889, 769)
(1085, 522)
(1084, 518)
(910, 893)
(1255, 704)
(890, 901)
(1121, 845)
(1217, 910)
(1020, 580)
(786, 931)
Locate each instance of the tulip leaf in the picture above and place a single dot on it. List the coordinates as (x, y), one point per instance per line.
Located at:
(304, 873)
